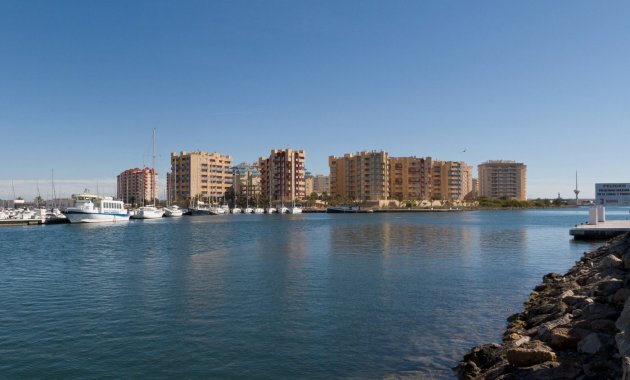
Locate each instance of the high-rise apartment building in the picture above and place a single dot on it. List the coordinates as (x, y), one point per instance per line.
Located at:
(137, 186)
(282, 175)
(502, 179)
(363, 176)
(409, 178)
(321, 184)
(202, 175)
(451, 180)
(246, 181)
(308, 185)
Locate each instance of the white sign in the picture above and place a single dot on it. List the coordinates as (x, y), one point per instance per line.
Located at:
(612, 194)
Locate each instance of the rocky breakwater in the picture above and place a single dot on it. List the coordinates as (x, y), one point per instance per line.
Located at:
(574, 326)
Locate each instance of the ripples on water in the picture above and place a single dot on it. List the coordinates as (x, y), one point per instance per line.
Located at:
(270, 297)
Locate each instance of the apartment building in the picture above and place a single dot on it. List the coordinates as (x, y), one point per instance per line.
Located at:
(502, 179)
(363, 176)
(409, 178)
(321, 184)
(202, 175)
(282, 175)
(246, 181)
(137, 186)
(451, 180)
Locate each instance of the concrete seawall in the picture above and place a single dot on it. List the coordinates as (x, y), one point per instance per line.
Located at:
(574, 326)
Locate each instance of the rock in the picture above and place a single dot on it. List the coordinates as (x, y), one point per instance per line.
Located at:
(623, 344)
(562, 338)
(531, 355)
(522, 340)
(603, 325)
(599, 311)
(484, 355)
(548, 326)
(609, 286)
(623, 322)
(594, 343)
(611, 261)
(621, 295)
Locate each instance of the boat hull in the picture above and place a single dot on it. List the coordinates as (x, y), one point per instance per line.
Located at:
(94, 217)
(342, 210)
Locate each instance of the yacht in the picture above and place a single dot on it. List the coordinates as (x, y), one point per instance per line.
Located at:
(199, 208)
(236, 210)
(342, 209)
(89, 208)
(173, 210)
(248, 210)
(259, 210)
(216, 210)
(148, 212)
(271, 210)
(283, 210)
(294, 210)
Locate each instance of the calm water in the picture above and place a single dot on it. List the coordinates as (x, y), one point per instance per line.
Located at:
(270, 297)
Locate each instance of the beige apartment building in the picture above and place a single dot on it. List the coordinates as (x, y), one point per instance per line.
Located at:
(202, 175)
(502, 179)
(137, 186)
(409, 178)
(363, 176)
(282, 175)
(451, 180)
(321, 184)
(246, 183)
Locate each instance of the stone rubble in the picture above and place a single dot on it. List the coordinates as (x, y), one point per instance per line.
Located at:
(574, 326)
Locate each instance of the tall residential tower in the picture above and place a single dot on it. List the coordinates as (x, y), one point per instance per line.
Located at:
(502, 179)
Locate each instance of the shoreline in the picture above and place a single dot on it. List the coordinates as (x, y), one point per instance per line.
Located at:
(575, 325)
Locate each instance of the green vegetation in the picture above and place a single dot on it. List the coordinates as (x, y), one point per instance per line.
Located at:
(513, 203)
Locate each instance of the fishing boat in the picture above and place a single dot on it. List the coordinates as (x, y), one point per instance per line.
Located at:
(90, 208)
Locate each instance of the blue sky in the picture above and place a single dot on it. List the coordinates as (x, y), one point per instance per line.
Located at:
(82, 85)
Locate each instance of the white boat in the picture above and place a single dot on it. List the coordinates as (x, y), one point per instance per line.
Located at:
(294, 210)
(89, 208)
(200, 208)
(235, 210)
(248, 210)
(283, 210)
(173, 211)
(271, 210)
(148, 212)
(259, 210)
(216, 210)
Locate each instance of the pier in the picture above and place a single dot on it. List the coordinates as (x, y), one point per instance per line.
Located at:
(598, 227)
(20, 222)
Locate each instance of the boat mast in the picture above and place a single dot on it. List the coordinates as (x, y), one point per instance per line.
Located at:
(153, 187)
(54, 194)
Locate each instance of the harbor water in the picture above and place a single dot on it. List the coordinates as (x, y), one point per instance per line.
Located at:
(313, 296)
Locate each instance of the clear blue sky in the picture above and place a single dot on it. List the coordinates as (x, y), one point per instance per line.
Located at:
(83, 83)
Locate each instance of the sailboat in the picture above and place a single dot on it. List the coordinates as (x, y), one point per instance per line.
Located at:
(150, 212)
(258, 209)
(173, 210)
(248, 210)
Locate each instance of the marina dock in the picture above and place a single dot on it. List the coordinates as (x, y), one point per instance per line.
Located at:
(601, 230)
(598, 227)
(20, 222)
